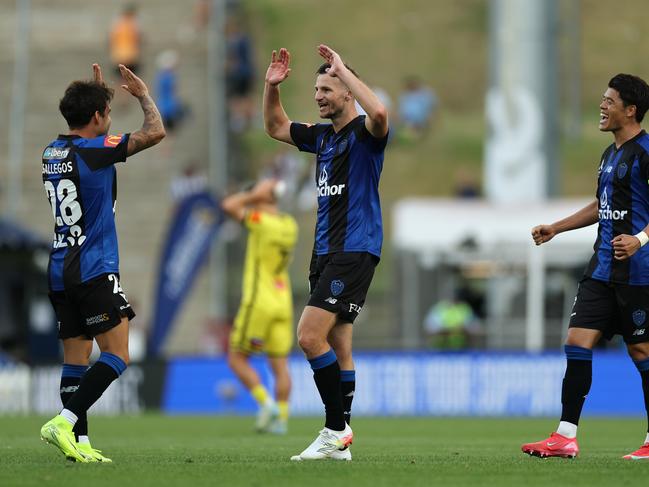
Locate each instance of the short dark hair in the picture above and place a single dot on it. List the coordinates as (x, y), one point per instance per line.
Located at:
(633, 91)
(81, 100)
(325, 66)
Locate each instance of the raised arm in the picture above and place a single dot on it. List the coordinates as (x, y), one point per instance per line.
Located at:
(237, 204)
(377, 115)
(582, 218)
(152, 130)
(276, 122)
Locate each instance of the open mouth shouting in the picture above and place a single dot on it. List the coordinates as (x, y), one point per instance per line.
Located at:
(603, 119)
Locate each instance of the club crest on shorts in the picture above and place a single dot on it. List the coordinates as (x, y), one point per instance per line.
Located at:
(639, 317)
(621, 170)
(337, 287)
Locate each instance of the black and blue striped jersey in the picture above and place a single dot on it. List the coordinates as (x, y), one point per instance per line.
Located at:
(623, 195)
(348, 168)
(80, 181)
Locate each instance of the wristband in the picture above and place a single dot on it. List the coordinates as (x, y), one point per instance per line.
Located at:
(643, 237)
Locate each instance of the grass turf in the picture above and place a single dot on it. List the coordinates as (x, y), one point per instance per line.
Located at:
(154, 450)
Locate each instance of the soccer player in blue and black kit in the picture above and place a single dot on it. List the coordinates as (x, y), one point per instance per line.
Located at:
(348, 235)
(613, 295)
(80, 181)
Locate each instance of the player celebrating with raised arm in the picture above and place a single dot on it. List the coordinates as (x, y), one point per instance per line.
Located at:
(264, 323)
(613, 295)
(80, 181)
(348, 235)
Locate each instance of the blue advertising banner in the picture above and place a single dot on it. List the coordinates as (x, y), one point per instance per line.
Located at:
(423, 384)
(194, 225)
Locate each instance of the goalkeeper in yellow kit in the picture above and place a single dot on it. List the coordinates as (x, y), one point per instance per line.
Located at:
(264, 323)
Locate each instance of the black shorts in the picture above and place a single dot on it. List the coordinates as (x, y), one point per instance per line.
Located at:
(339, 282)
(613, 309)
(91, 308)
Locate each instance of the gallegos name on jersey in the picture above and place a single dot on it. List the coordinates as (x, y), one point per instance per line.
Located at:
(623, 200)
(348, 167)
(81, 185)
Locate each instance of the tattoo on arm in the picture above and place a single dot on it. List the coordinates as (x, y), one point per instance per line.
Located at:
(152, 130)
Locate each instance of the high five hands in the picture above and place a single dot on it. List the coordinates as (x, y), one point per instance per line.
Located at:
(134, 85)
(278, 70)
(333, 58)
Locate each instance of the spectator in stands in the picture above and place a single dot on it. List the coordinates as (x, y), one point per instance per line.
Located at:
(451, 324)
(239, 72)
(125, 40)
(201, 14)
(172, 110)
(382, 95)
(417, 104)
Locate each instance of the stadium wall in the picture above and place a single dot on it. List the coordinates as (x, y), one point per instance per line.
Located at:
(389, 384)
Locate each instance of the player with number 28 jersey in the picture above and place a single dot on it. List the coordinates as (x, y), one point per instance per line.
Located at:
(80, 182)
(83, 271)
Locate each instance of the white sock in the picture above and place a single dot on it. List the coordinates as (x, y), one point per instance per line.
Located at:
(646, 440)
(83, 439)
(69, 416)
(566, 429)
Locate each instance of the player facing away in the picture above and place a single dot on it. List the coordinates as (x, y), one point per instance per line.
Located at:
(264, 323)
(80, 181)
(348, 235)
(613, 295)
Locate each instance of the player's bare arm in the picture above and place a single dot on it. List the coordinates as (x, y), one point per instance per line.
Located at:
(377, 115)
(237, 204)
(588, 215)
(152, 131)
(276, 122)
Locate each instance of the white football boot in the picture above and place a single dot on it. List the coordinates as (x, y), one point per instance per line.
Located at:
(345, 455)
(327, 443)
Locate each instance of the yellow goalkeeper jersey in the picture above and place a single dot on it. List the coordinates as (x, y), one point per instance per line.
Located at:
(271, 240)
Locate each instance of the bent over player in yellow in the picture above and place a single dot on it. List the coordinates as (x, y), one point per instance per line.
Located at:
(264, 323)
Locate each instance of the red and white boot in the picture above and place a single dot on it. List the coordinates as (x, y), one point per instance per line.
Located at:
(555, 446)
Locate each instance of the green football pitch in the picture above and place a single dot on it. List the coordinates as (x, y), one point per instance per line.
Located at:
(155, 450)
